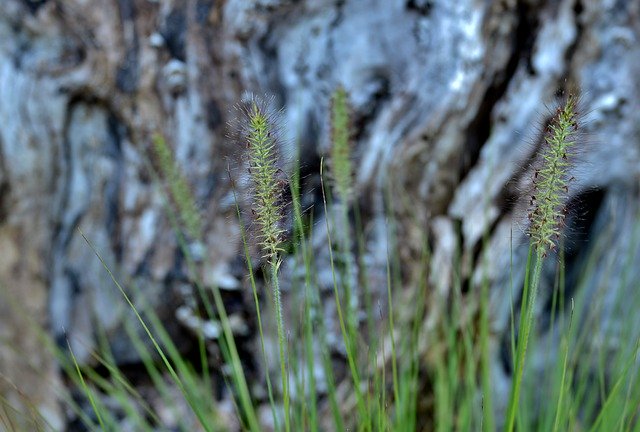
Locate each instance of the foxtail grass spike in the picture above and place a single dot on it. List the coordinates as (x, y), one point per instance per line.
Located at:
(341, 169)
(179, 189)
(268, 184)
(551, 182)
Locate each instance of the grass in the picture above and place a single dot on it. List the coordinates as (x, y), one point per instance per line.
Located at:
(401, 373)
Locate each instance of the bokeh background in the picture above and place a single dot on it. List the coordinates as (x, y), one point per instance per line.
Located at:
(447, 101)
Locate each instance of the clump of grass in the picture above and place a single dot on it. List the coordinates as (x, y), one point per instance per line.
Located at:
(343, 263)
(456, 406)
(550, 189)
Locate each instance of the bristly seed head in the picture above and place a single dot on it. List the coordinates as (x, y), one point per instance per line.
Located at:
(551, 182)
(260, 134)
(341, 170)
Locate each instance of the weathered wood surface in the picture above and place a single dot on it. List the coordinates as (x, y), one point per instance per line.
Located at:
(444, 93)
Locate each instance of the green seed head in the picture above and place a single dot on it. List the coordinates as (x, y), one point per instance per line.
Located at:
(178, 188)
(551, 182)
(341, 169)
(267, 181)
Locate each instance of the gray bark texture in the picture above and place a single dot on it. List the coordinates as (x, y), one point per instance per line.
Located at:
(447, 98)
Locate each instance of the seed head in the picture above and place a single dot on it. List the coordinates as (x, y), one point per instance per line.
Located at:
(260, 135)
(551, 183)
(341, 170)
(178, 188)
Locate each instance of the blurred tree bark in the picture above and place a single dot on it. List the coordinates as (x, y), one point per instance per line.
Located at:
(444, 95)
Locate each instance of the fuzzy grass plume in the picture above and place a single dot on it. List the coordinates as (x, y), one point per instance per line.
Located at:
(551, 182)
(178, 187)
(341, 169)
(259, 131)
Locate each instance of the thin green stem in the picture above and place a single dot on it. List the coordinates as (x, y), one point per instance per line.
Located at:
(526, 323)
(350, 297)
(275, 285)
(563, 380)
(254, 291)
(394, 365)
(341, 319)
(97, 411)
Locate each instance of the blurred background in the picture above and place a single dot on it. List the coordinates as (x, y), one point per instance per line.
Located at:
(448, 102)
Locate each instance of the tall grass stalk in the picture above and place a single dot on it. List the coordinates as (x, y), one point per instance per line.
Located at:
(342, 182)
(310, 308)
(550, 188)
(347, 339)
(256, 301)
(267, 187)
